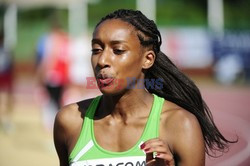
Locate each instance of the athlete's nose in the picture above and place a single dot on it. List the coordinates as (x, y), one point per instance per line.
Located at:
(104, 59)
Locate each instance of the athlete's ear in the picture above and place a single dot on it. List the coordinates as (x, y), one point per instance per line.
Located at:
(148, 59)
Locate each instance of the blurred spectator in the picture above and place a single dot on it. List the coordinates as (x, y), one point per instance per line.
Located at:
(52, 64)
(6, 86)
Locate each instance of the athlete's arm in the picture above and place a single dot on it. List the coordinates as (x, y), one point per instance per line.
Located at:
(61, 134)
(184, 147)
(189, 144)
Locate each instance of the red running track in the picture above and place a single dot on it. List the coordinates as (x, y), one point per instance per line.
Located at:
(230, 107)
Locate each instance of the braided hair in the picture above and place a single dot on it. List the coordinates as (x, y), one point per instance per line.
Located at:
(177, 87)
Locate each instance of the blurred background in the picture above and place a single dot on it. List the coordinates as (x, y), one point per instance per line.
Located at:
(209, 40)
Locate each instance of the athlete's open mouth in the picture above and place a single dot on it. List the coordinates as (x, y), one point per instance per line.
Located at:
(105, 79)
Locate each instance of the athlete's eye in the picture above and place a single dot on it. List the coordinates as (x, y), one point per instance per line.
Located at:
(119, 51)
(96, 51)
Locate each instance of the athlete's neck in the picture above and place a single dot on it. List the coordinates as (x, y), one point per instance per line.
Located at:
(132, 103)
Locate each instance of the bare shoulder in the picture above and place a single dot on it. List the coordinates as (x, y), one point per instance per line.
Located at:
(72, 112)
(68, 114)
(178, 118)
(69, 119)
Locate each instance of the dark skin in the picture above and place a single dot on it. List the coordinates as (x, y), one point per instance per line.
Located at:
(122, 113)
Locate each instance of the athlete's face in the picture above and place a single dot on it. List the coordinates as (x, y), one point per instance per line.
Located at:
(116, 55)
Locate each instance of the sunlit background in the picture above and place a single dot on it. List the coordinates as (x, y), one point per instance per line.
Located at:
(208, 40)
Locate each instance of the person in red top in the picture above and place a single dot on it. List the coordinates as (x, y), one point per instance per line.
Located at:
(52, 66)
(6, 85)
